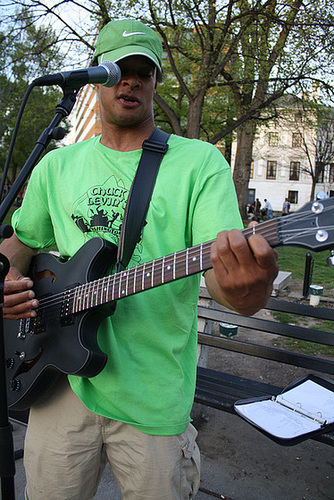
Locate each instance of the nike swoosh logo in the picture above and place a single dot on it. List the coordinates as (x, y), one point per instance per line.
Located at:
(125, 34)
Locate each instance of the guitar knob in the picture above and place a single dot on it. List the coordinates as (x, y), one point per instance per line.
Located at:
(15, 385)
(9, 363)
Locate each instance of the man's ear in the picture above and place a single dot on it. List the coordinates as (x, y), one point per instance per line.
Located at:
(156, 78)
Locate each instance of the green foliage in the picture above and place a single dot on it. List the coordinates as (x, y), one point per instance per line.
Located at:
(28, 54)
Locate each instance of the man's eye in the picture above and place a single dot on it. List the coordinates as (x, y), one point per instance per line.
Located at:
(146, 74)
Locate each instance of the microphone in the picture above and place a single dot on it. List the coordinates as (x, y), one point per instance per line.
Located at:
(107, 73)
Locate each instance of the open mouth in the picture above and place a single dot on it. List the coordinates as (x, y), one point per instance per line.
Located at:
(128, 99)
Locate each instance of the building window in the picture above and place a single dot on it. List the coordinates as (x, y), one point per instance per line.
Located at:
(273, 139)
(296, 140)
(293, 196)
(271, 169)
(331, 172)
(251, 172)
(294, 171)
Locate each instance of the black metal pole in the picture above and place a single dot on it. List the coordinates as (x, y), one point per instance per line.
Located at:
(307, 274)
(7, 458)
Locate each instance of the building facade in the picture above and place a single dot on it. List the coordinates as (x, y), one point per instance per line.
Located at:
(284, 153)
(86, 122)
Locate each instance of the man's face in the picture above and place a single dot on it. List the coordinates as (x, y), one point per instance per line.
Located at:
(130, 102)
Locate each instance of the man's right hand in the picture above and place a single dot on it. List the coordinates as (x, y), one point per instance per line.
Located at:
(19, 299)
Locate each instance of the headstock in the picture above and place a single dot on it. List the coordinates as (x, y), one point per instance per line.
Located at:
(312, 226)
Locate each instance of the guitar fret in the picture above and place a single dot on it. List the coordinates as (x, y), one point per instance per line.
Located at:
(152, 274)
(108, 288)
(113, 288)
(147, 275)
(134, 280)
(143, 278)
(119, 285)
(101, 291)
(85, 297)
(163, 270)
(98, 293)
(201, 256)
(158, 272)
(104, 291)
(81, 298)
(187, 264)
(75, 301)
(168, 274)
(121, 290)
(127, 283)
(94, 294)
(89, 296)
(174, 263)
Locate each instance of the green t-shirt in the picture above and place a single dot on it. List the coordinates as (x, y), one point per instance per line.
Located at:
(80, 192)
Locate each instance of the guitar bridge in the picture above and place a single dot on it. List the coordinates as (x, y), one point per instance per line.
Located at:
(31, 326)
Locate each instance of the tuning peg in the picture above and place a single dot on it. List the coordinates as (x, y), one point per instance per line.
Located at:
(330, 259)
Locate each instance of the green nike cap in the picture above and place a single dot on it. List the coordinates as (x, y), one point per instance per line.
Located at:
(119, 39)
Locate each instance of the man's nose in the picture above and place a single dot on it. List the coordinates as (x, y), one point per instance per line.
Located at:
(131, 79)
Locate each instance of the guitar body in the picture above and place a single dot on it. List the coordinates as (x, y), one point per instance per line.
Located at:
(36, 351)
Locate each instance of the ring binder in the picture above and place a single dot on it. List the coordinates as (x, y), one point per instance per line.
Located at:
(302, 410)
(297, 407)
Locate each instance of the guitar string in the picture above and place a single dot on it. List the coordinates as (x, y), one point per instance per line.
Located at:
(117, 278)
(54, 300)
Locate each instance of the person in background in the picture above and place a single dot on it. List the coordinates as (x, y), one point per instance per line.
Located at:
(268, 209)
(286, 207)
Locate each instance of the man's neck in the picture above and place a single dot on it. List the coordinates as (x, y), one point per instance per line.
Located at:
(126, 138)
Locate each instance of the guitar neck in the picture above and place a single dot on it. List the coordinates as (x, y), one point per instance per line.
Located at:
(166, 269)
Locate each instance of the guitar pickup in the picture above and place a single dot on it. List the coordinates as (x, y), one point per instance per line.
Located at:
(66, 316)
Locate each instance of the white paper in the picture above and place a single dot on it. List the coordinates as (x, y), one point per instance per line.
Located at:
(287, 423)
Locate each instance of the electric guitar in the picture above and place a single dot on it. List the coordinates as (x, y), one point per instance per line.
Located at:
(63, 336)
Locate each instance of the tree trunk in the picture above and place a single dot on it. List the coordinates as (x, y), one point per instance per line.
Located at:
(195, 115)
(242, 165)
(314, 183)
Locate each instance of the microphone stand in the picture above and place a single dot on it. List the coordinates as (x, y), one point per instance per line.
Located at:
(7, 459)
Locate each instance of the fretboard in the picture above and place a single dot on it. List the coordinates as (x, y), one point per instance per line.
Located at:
(155, 273)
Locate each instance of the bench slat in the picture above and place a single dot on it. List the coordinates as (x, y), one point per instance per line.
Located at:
(286, 330)
(271, 353)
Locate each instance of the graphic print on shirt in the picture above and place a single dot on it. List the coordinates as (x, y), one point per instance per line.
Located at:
(100, 210)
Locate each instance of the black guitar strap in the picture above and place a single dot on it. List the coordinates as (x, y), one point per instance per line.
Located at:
(140, 194)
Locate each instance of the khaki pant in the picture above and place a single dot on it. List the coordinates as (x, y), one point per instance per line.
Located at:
(67, 447)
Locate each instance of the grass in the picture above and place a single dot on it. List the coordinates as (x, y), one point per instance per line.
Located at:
(292, 259)
(302, 345)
